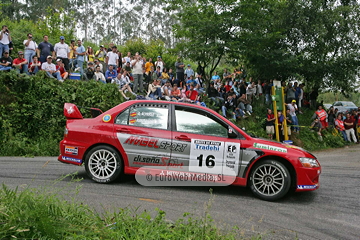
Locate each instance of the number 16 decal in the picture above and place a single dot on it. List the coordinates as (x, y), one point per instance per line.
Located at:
(206, 156)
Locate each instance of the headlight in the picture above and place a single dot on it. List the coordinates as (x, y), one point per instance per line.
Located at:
(309, 162)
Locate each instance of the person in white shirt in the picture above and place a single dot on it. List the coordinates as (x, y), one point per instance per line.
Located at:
(50, 69)
(123, 82)
(138, 72)
(160, 63)
(5, 40)
(99, 76)
(112, 58)
(62, 51)
(30, 48)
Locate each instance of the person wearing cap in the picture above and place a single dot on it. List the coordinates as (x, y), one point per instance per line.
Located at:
(62, 51)
(60, 67)
(189, 72)
(5, 40)
(44, 49)
(72, 55)
(293, 108)
(20, 63)
(160, 63)
(50, 68)
(6, 62)
(30, 47)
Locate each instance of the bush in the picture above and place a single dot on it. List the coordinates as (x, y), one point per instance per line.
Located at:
(31, 112)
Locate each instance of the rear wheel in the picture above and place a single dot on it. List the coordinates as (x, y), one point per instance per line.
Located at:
(270, 180)
(103, 164)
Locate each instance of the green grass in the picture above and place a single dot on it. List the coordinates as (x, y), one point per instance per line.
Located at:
(43, 214)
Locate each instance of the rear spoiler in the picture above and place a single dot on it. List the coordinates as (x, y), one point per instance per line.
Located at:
(71, 111)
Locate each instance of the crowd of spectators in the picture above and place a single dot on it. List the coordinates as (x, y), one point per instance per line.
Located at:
(233, 92)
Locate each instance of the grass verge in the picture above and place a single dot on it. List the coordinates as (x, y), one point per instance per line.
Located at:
(43, 214)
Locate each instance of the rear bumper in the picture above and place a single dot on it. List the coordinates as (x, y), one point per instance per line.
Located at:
(71, 153)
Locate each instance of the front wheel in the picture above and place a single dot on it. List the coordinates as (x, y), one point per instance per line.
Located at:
(103, 164)
(270, 180)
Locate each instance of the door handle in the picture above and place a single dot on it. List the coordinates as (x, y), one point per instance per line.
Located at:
(123, 130)
(183, 138)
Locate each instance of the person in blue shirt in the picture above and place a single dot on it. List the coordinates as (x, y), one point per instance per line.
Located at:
(110, 74)
(80, 57)
(189, 82)
(215, 77)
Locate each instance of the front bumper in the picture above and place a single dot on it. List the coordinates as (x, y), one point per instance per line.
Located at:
(308, 179)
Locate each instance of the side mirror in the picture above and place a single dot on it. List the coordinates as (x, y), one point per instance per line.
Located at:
(231, 133)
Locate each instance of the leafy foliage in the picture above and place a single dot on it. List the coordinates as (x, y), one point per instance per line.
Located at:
(31, 110)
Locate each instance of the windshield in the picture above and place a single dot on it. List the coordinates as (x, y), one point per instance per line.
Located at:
(349, 104)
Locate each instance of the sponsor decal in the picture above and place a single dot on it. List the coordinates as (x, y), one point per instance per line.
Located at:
(70, 110)
(133, 114)
(71, 159)
(269, 147)
(71, 150)
(306, 186)
(132, 121)
(207, 145)
(158, 161)
(154, 143)
(107, 118)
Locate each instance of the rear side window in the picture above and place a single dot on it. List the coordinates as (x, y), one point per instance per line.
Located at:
(145, 116)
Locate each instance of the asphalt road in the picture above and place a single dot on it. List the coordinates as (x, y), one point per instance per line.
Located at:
(331, 212)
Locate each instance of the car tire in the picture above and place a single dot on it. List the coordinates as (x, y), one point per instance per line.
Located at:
(270, 180)
(103, 164)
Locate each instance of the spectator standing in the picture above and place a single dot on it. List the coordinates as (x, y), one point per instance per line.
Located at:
(280, 126)
(72, 55)
(21, 64)
(250, 91)
(5, 39)
(80, 57)
(45, 49)
(112, 58)
(6, 62)
(138, 69)
(62, 51)
(331, 117)
(227, 76)
(259, 89)
(293, 108)
(267, 92)
(270, 124)
(148, 66)
(127, 59)
(189, 72)
(179, 69)
(50, 69)
(101, 56)
(349, 128)
(90, 54)
(160, 63)
(35, 65)
(288, 122)
(30, 47)
(290, 93)
(339, 125)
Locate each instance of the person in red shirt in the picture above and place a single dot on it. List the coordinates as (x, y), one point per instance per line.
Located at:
(322, 116)
(61, 69)
(349, 128)
(21, 64)
(191, 94)
(227, 87)
(35, 65)
(339, 125)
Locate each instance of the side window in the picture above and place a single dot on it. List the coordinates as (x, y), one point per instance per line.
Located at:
(197, 123)
(122, 118)
(150, 117)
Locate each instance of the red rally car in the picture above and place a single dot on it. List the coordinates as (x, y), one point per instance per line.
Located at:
(143, 133)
